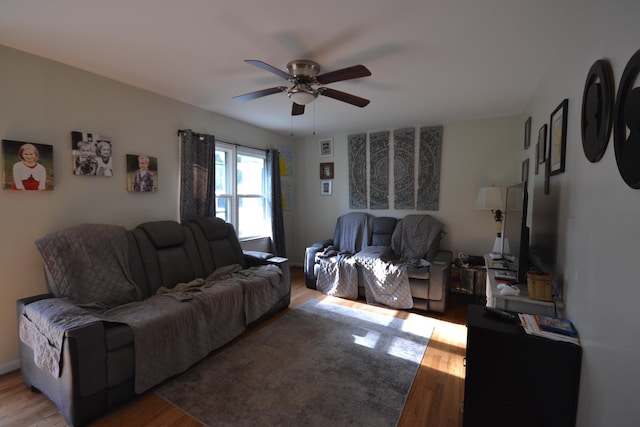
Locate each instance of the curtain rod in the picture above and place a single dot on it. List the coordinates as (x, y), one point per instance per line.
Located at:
(225, 142)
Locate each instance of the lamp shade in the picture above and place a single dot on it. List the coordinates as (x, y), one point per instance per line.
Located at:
(491, 198)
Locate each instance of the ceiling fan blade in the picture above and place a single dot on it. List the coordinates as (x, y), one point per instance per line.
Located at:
(297, 109)
(353, 72)
(344, 97)
(259, 93)
(270, 68)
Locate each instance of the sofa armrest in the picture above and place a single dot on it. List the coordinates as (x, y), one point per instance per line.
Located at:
(256, 258)
(440, 271)
(85, 365)
(310, 260)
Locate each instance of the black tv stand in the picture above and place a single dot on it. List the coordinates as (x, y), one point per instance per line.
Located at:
(516, 379)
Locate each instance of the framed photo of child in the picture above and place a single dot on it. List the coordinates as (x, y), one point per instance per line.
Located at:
(27, 166)
(142, 173)
(92, 154)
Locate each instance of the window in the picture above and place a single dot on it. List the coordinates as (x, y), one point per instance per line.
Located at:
(241, 190)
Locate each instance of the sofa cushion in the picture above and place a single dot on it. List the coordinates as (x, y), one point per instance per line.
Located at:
(382, 230)
(417, 236)
(164, 234)
(89, 264)
(353, 231)
(168, 253)
(218, 243)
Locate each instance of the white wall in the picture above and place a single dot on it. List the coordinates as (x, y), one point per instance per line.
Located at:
(43, 101)
(474, 154)
(598, 219)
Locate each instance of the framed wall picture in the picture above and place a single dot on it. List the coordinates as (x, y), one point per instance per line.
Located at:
(326, 170)
(527, 133)
(326, 147)
(325, 187)
(542, 141)
(27, 166)
(558, 138)
(91, 154)
(525, 170)
(142, 173)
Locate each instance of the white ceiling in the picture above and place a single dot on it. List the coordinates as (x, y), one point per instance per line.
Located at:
(432, 61)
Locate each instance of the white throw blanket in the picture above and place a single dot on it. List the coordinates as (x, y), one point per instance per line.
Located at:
(338, 276)
(385, 282)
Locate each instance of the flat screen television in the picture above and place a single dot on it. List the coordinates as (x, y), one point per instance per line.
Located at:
(515, 232)
(544, 229)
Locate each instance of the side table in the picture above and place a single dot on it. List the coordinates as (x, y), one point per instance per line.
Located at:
(468, 279)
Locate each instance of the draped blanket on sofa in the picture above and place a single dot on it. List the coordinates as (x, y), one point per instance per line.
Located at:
(381, 270)
(88, 271)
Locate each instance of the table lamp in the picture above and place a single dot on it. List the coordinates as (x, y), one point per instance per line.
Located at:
(493, 198)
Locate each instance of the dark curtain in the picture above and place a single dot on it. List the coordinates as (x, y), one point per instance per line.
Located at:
(275, 201)
(197, 175)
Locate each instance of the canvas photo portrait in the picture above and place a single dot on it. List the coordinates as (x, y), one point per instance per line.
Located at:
(27, 166)
(142, 173)
(92, 154)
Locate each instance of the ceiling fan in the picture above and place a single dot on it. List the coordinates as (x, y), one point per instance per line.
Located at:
(307, 83)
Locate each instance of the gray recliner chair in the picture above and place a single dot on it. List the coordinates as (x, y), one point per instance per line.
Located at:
(360, 231)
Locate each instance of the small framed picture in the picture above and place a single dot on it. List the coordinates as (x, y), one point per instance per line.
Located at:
(527, 133)
(326, 147)
(27, 166)
(325, 187)
(91, 154)
(558, 138)
(525, 170)
(142, 173)
(542, 142)
(326, 170)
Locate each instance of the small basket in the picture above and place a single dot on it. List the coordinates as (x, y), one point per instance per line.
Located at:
(539, 286)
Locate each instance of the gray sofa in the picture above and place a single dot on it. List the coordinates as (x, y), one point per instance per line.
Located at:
(194, 277)
(374, 236)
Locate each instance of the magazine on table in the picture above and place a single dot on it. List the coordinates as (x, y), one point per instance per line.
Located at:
(532, 326)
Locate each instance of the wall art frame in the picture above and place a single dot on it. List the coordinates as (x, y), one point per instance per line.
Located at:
(326, 170)
(92, 154)
(556, 153)
(542, 140)
(596, 121)
(626, 117)
(525, 171)
(326, 147)
(27, 166)
(142, 173)
(325, 187)
(527, 133)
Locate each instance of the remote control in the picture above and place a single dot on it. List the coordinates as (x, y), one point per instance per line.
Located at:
(501, 315)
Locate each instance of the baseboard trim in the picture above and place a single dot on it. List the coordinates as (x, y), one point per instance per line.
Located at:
(9, 367)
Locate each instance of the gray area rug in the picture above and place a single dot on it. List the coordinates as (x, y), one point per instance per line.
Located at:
(321, 364)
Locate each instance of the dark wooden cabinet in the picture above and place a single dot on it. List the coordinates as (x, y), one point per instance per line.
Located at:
(515, 379)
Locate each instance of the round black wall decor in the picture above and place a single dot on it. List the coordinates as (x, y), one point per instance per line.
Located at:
(597, 110)
(627, 116)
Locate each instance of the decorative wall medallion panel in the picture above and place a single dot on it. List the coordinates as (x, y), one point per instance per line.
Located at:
(626, 125)
(597, 110)
(429, 168)
(357, 171)
(379, 158)
(403, 168)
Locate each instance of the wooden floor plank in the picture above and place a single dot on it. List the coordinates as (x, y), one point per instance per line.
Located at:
(435, 398)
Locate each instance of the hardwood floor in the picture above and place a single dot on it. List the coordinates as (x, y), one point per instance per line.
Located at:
(435, 398)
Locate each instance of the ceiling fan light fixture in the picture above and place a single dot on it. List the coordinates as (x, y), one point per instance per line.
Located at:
(302, 95)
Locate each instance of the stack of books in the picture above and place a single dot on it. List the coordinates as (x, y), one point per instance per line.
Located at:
(554, 328)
